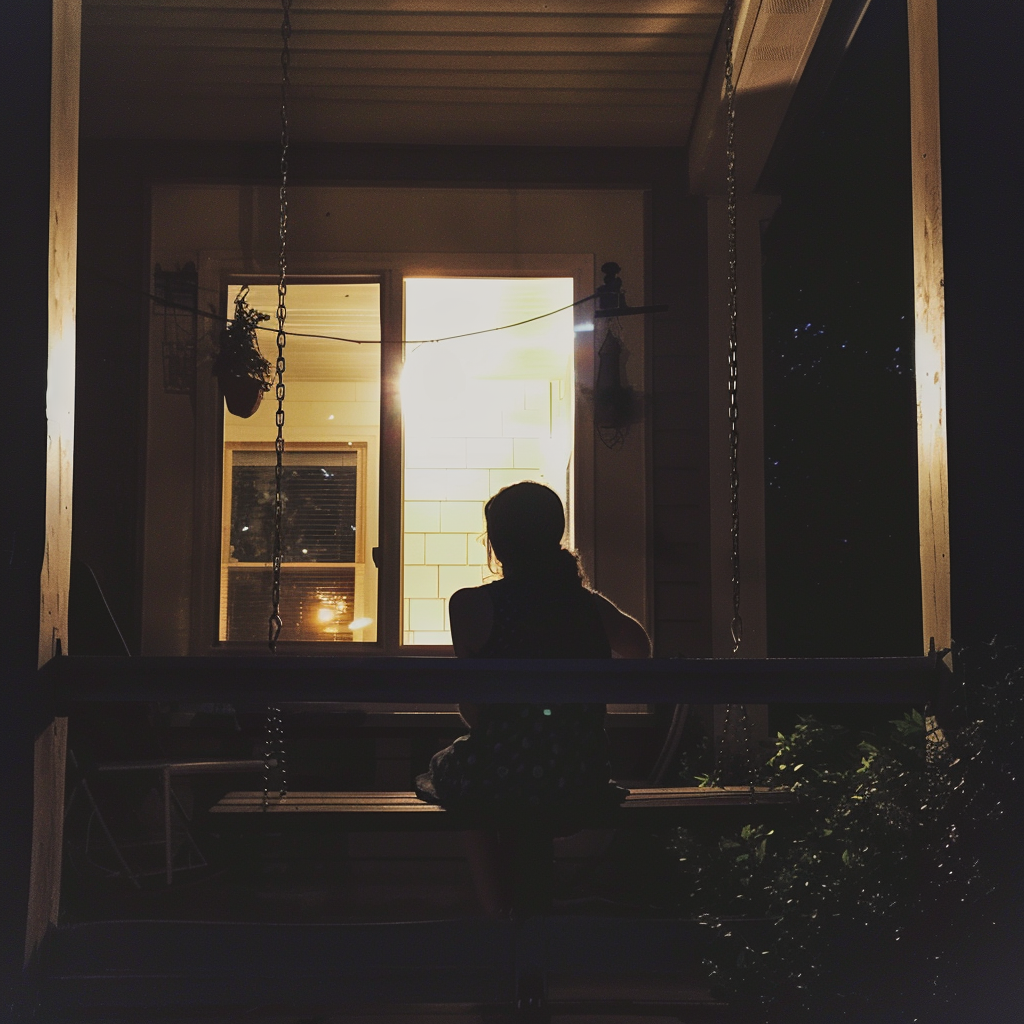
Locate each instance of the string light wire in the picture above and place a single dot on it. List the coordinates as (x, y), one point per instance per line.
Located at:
(166, 304)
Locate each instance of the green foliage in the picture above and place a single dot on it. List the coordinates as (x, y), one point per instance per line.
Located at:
(239, 354)
(853, 906)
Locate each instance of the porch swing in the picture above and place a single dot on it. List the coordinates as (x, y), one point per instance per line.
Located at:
(239, 347)
(732, 682)
(611, 304)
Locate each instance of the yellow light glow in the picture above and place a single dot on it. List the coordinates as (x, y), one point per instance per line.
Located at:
(480, 412)
(326, 614)
(360, 623)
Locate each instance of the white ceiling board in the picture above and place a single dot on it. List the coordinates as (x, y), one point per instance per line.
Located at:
(773, 40)
(492, 72)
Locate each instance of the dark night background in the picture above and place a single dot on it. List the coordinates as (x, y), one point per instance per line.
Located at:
(840, 431)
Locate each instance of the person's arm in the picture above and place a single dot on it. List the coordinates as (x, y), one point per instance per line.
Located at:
(472, 616)
(626, 637)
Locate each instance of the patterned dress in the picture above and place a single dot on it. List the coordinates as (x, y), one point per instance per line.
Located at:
(531, 759)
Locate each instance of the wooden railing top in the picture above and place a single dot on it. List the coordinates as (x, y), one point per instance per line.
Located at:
(289, 678)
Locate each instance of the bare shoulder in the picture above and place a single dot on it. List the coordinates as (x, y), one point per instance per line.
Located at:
(472, 617)
(626, 636)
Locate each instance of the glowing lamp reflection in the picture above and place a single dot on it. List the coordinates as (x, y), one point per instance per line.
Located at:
(360, 623)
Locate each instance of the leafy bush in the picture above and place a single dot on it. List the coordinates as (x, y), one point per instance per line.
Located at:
(875, 899)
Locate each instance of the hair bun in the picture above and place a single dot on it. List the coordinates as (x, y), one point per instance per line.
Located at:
(525, 526)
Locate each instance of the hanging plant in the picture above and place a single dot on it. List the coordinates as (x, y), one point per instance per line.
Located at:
(617, 406)
(241, 370)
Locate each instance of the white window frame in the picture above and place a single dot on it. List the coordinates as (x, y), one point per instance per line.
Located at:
(218, 270)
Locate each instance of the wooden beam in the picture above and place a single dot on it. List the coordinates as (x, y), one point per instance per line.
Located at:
(443, 8)
(60, 378)
(55, 578)
(930, 323)
(256, 681)
(772, 42)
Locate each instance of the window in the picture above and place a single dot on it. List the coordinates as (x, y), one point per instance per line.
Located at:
(478, 412)
(332, 452)
(323, 585)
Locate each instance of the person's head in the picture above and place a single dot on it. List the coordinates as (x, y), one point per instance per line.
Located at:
(525, 525)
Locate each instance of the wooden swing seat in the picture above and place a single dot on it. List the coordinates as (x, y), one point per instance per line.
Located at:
(400, 811)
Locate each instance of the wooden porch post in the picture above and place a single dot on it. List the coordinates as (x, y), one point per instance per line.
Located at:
(930, 325)
(49, 748)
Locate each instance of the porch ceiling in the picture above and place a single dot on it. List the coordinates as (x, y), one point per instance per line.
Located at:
(485, 72)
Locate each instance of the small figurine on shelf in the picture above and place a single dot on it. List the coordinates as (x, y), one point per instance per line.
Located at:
(240, 368)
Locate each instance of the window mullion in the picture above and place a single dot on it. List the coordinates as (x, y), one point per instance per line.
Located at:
(389, 557)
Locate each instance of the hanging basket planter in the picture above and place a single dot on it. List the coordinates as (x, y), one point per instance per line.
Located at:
(242, 395)
(241, 370)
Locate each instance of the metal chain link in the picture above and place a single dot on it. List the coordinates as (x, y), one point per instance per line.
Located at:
(273, 755)
(720, 766)
(736, 626)
(275, 623)
(748, 753)
(273, 748)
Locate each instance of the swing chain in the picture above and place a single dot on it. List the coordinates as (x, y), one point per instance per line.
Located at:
(723, 745)
(273, 755)
(736, 626)
(276, 623)
(724, 742)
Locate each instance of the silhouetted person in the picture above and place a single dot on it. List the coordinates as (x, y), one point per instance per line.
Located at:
(529, 762)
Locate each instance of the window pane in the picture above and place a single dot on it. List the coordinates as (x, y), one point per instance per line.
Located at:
(319, 500)
(479, 412)
(316, 604)
(330, 484)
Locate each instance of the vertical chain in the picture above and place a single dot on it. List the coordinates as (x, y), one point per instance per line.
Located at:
(275, 622)
(748, 752)
(724, 756)
(736, 626)
(721, 746)
(273, 747)
(273, 755)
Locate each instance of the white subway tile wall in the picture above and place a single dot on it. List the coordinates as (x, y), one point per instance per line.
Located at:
(480, 413)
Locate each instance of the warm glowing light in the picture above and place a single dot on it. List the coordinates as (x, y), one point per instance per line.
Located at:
(360, 623)
(325, 614)
(480, 412)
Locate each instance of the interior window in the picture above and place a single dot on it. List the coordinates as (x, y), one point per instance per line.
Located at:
(323, 519)
(479, 412)
(330, 483)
